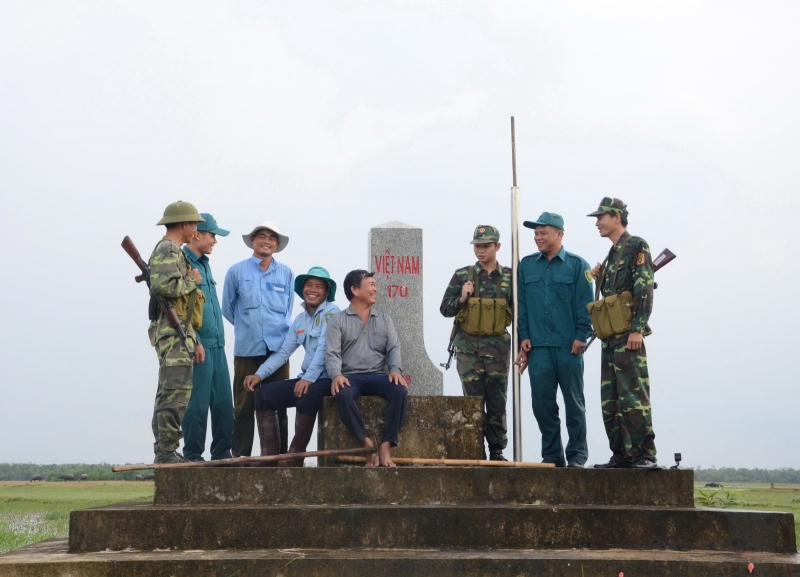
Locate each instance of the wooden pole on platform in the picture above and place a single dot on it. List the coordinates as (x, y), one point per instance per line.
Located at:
(245, 460)
(451, 462)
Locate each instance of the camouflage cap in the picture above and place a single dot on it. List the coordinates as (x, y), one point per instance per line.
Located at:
(485, 233)
(611, 206)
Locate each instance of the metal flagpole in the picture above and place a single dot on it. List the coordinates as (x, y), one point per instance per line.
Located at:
(515, 377)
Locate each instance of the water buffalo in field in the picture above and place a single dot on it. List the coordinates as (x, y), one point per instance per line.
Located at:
(36, 478)
(67, 477)
(713, 484)
(139, 478)
(150, 477)
(84, 477)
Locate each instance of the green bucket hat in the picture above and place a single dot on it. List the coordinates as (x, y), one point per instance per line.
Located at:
(180, 212)
(210, 225)
(610, 206)
(485, 233)
(316, 272)
(546, 219)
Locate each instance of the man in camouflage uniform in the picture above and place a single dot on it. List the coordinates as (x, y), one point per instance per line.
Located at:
(172, 277)
(625, 382)
(483, 361)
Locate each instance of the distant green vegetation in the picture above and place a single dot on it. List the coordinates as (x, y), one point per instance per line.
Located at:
(730, 475)
(101, 472)
(33, 512)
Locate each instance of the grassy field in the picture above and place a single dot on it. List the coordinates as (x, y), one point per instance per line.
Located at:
(763, 497)
(31, 512)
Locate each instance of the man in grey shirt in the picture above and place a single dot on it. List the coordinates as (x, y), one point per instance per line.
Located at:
(361, 347)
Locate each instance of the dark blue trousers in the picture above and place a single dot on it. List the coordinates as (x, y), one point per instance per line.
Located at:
(280, 395)
(377, 385)
(549, 368)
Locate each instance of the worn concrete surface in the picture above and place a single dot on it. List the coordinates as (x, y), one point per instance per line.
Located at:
(435, 427)
(423, 486)
(50, 559)
(148, 527)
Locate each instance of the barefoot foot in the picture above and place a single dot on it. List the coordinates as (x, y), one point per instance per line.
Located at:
(385, 455)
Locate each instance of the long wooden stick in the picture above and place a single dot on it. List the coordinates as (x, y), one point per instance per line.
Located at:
(241, 460)
(451, 462)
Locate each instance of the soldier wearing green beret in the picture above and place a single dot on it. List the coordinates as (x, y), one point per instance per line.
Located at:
(172, 277)
(482, 342)
(625, 381)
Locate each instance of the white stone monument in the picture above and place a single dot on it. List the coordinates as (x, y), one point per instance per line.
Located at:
(395, 256)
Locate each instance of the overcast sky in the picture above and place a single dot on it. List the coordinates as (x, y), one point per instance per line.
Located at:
(333, 117)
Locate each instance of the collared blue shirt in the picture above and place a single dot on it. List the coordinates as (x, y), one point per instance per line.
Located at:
(309, 331)
(212, 334)
(552, 299)
(259, 305)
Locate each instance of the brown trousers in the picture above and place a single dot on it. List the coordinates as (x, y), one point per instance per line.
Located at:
(244, 405)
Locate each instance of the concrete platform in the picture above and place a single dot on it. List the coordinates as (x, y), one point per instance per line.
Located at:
(50, 559)
(435, 427)
(423, 486)
(216, 527)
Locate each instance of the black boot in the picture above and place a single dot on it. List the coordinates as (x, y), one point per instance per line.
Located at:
(303, 427)
(268, 434)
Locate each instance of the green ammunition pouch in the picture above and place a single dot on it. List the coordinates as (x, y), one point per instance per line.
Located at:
(612, 315)
(483, 316)
(193, 302)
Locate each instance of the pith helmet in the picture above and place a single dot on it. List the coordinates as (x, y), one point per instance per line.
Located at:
(180, 212)
(320, 273)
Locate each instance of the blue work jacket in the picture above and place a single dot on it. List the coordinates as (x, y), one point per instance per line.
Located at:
(259, 305)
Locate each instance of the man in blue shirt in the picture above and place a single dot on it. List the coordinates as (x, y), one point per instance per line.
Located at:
(211, 388)
(257, 300)
(554, 325)
(306, 392)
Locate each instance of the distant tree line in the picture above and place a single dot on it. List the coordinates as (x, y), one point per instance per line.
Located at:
(731, 475)
(101, 472)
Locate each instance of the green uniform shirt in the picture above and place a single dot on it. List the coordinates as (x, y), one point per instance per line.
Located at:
(170, 278)
(633, 265)
(212, 333)
(491, 286)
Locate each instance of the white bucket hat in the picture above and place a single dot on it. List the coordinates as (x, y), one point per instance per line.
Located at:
(283, 240)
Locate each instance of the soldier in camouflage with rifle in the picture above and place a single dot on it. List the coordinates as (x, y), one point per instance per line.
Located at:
(625, 381)
(173, 278)
(479, 296)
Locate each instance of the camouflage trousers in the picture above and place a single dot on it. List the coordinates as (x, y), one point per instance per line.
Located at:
(625, 399)
(173, 393)
(487, 377)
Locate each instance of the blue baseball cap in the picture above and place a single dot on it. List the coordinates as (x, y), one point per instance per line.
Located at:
(210, 225)
(546, 219)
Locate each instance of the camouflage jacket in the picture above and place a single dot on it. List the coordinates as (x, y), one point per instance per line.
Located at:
(634, 269)
(170, 278)
(495, 285)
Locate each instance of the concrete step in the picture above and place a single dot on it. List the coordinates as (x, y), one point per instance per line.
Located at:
(50, 559)
(213, 527)
(423, 486)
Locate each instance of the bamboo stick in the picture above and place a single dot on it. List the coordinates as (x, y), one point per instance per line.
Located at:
(242, 460)
(451, 462)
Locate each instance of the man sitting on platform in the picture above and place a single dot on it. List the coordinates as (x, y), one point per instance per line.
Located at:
(363, 358)
(306, 392)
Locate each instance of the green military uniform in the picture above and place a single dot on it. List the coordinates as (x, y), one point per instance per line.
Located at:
(170, 278)
(483, 361)
(625, 381)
